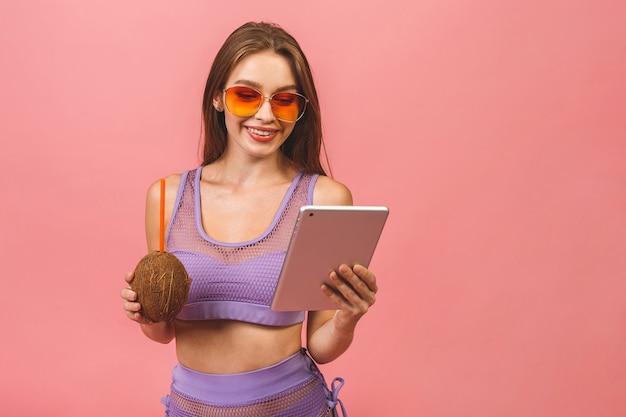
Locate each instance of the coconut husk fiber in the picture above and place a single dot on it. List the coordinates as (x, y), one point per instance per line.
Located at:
(162, 286)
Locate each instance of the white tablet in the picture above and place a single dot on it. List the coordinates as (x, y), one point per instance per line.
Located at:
(325, 237)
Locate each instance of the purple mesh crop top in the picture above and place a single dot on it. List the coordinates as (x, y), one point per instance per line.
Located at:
(233, 281)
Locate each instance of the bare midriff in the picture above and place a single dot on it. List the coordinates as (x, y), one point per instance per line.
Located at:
(228, 347)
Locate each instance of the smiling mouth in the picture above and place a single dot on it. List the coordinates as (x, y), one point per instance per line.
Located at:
(259, 132)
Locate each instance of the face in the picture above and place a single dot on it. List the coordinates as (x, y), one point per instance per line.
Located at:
(261, 134)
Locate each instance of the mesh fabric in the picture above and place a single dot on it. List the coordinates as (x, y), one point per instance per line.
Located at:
(305, 400)
(228, 277)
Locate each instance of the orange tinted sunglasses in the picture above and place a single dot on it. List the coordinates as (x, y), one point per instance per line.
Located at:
(245, 101)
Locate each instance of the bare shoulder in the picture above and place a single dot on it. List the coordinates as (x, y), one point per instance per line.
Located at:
(329, 192)
(172, 183)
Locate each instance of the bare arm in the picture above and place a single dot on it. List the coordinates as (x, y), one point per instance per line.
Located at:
(160, 332)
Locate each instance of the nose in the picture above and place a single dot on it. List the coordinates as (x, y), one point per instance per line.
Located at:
(265, 112)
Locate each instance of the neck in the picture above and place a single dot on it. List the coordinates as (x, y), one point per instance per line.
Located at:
(250, 172)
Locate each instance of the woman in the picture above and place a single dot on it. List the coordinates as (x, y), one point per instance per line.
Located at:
(229, 223)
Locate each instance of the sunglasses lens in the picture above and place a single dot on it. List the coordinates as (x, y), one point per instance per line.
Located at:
(243, 101)
(288, 106)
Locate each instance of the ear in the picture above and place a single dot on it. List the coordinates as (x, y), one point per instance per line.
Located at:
(217, 102)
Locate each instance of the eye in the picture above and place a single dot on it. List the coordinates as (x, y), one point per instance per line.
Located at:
(247, 94)
(284, 99)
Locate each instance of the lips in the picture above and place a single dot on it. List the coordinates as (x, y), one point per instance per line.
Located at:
(261, 134)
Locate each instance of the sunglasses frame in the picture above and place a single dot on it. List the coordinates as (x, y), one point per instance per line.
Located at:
(266, 98)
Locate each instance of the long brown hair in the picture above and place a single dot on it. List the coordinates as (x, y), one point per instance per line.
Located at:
(304, 145)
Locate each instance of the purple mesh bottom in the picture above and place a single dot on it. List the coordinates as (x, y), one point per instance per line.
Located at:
(292, 388)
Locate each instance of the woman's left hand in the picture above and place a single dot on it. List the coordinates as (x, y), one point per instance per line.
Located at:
(354, 293)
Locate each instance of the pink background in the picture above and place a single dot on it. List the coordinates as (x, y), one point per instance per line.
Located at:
(495, 132)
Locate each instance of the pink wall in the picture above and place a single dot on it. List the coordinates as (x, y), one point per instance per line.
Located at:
(495, 131)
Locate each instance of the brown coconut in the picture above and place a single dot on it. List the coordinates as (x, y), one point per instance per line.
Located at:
(162, 286)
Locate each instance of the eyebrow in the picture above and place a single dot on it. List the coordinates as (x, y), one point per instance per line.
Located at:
(258, 86)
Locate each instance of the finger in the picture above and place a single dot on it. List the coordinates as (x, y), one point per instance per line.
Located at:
(138, 317)
(132, 307)
(354, 301)
(128, 294)
(129, 276)
(335, 296)
(351, 283)
(367, 276)
(347, 299)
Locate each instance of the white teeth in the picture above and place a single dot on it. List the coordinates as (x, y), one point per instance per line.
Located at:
(259, 132)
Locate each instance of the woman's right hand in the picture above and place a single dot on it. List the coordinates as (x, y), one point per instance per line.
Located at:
(131, 306)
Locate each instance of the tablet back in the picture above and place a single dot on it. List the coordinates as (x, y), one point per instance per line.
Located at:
(323, 238)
